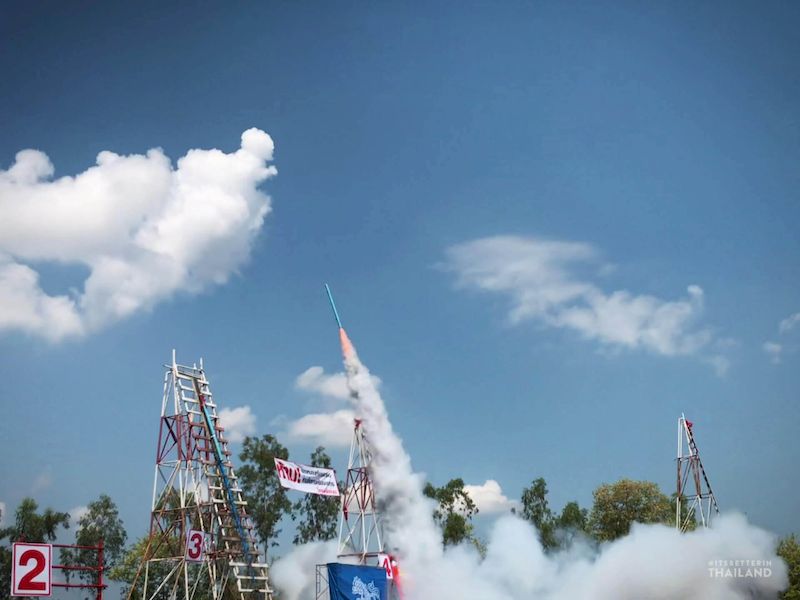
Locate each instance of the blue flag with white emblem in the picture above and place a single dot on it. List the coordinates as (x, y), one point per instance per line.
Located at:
(356, 582)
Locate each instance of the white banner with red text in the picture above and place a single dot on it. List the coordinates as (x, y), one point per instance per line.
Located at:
(311, 480)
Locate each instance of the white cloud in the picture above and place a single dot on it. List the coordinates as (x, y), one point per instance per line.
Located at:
(314, 379)
(333, 430)
(489, 497)
(774, 350)
(75, 515)
(144, 229)
(720, 363)
(42, 481)
(239, 422)
(789, 323)
(3, 513)
(545, 283)
(329, 429)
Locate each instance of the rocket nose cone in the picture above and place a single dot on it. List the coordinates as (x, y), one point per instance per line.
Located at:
(347, 346)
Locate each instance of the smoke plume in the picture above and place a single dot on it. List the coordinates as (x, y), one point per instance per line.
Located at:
(653, 561)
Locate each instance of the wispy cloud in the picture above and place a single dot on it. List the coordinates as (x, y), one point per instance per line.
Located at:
(42, 481)
(552, 282)
(239, 422)
(774, 350)
(789, 323)
(144, 229)
(76, 514)
(489, 497)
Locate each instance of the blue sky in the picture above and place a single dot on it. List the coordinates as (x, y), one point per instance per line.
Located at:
(659, 143)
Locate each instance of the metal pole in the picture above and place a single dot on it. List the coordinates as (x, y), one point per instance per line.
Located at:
(100, 570)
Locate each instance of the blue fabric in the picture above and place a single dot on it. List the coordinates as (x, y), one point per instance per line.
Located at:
(356, 582)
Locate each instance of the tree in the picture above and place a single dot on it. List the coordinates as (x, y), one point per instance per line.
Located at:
(789, 551)
(618, 505)
(454, 511)
(101, 522)
(319, 513)
(29, 526)
(572, 521)
(267, 502)
(535, 509)
(127, 567)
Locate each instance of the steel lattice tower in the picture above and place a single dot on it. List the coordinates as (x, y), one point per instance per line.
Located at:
(196, 488)
(697, 499)
(360, 533)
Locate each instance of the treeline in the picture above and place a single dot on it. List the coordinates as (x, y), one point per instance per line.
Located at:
(616, 506)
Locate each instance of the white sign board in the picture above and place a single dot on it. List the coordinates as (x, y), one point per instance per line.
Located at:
(311, 480)
(31, 569)
(385, 561)
(196, 545)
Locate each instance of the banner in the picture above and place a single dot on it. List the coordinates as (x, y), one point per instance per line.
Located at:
(356, 582)
(311, 480)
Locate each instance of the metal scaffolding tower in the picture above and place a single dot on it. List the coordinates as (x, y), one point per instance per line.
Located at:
(196, 496)
(692, 501)
(360, 533)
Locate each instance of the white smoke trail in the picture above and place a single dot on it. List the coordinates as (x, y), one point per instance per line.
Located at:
(652, 562)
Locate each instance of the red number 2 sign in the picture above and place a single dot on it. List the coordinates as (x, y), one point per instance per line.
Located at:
(31, 570)
(195, 546)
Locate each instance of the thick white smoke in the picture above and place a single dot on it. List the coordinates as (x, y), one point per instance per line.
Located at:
(652, 562)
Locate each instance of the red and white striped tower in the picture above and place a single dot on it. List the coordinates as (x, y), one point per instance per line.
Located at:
(694, 498)
(202, 542)
(360, 534)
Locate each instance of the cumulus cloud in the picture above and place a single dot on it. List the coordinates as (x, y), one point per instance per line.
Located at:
(546, 282)
(489, 497)
(3, 513)
(333, 430)
(144, 228)
(239, 422)
(314, 379)
(774, 351)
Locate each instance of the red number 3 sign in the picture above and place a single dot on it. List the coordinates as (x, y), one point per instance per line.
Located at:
(31, 570)
(195, 546)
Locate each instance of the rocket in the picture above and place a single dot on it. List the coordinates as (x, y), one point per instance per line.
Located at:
(333, 306)
(347, 346)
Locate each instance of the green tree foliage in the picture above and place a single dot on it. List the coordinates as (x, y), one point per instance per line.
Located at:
(618, 505)
(454, 511)
(101, 522)
(536, 509)
(30, 526)
(789, 551)
(573, 521)
(573, 517)
(267, 502)
(318, 514)
(126, 568)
